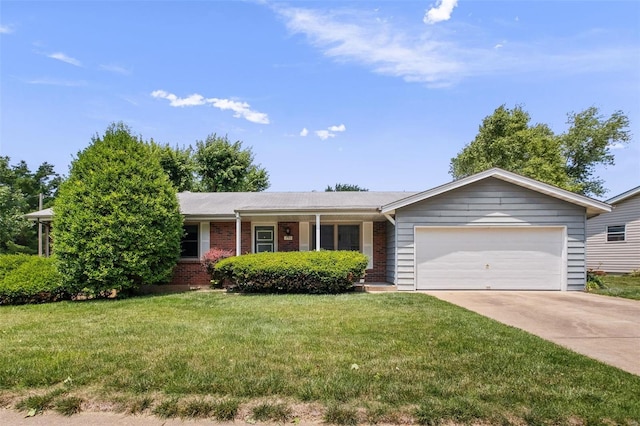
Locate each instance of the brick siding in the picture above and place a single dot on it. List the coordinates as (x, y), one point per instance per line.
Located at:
(291, 245)
(379, 272)
(223, 235)
(190, 273)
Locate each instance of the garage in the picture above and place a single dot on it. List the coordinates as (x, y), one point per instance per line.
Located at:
(490, 257)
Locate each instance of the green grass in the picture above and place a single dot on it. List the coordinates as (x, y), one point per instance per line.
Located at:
(380, 356)
(278, 412)
(620, 286)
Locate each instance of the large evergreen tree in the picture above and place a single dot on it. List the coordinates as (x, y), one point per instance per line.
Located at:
(117, 223)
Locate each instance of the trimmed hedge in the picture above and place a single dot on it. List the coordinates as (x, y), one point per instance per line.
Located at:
(293, 272)
(30, 279)
(9, 262)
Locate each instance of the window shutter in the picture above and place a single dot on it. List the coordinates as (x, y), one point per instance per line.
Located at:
(304, 236)
(367, 242)
(205, 243)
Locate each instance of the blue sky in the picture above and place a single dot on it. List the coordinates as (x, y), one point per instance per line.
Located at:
(380, 94)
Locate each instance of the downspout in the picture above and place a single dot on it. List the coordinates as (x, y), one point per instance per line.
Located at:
(238, 234)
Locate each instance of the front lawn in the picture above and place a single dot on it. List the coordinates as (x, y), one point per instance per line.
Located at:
(355, 357)
(621, 286)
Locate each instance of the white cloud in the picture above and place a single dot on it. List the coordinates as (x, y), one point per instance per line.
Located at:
(6, 29)
(441, 12)
(174, 101)
(361, 39)
(325, 134)
(438, 57)
(498, 46)
(115, 69)
(241, 109)
(304, 132)
(330, 132)
(56, 82)
(617, 145)
(65, 58)
(340, 128)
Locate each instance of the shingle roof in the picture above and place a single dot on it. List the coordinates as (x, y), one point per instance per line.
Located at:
(226, 203)
(624, 196)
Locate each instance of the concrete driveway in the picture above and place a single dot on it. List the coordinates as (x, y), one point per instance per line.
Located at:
(600, 327)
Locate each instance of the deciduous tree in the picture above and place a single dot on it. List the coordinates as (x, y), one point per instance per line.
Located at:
(345, 187)
(22, 195)
(222, 166)
(508, 140)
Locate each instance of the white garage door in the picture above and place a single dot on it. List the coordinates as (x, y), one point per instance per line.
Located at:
(496, 258)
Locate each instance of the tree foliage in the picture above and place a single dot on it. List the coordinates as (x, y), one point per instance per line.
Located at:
(588, 143)
(117, 223)
(20, 190)
(345, 187)
(215, 165)
(508, 140)
(178, 163)
(223, 166)
(12, 224)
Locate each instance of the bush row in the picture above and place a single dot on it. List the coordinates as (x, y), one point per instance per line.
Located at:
(29, 279)
(293, 272)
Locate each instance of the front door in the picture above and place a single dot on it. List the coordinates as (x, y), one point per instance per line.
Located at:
(264, 239)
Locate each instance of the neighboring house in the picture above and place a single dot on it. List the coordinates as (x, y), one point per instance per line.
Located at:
(613, 239)
(493, 230)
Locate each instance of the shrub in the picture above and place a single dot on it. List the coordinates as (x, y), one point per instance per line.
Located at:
(9, 262)
(212, 257)
(36, 280)
(293, 272)
(594, 280)
(117, 223)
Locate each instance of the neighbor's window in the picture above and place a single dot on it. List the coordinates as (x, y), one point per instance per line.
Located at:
(615, 233)
(189, 243)
(337, 237)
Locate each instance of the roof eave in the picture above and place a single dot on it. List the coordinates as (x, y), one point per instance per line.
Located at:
(592, 206)
(309, 210)
(624, 196)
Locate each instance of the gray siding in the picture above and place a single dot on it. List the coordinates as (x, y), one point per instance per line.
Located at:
(391, 253)
(492, 202)
(615, 256)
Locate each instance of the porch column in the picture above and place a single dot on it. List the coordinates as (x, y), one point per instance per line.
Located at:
(317, 232)
(238, 234)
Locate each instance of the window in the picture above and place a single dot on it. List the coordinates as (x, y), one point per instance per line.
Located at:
(189, 243)
(337, 237)
(615, 233)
